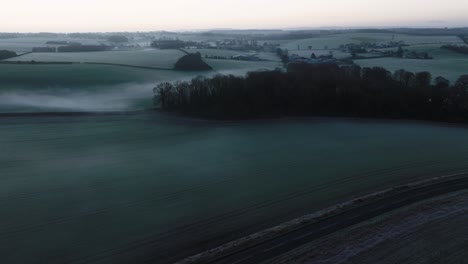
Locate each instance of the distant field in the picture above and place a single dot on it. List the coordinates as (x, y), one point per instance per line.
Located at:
(334, 41)
(77, 74)
(229, 53)
(43, 87)
(438, 53)
(318, 52)
(145, 58)
(446, 63)
(26, 44)
(450, 68)
(408, 39)
(241, 67)
(87, 74)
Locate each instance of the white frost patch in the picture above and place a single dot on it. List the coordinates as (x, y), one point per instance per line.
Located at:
(353, 247)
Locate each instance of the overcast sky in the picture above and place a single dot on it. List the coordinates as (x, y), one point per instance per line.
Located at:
(143, 15)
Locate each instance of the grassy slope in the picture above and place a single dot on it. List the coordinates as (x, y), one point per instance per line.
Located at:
(147, 58)
(77, 75)
(26, 44)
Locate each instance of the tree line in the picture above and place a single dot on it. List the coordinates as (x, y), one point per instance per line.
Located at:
(324, 90)
(172, 44)
(83, 48)
(456, 48)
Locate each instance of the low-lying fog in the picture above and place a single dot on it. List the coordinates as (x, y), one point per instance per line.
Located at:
(123, 97)
(99, 98)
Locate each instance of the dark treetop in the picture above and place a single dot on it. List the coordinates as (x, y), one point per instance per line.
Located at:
(192, 62)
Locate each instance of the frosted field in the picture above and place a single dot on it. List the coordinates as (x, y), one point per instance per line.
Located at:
(146, 58)
(127, 189)
(22, 45)
(334, 41)
(431, 231)
(319, 52)
(241, 67)
(448, 64)
(47, 75)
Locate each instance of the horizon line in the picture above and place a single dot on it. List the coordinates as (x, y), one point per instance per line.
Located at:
(202, 30)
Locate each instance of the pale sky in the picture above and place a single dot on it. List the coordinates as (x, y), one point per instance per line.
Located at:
(147, 15)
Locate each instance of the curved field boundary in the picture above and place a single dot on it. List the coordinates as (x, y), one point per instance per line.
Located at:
(23, 54)
(37, 62)
(184, 51)
(280, 239)
(127, 65)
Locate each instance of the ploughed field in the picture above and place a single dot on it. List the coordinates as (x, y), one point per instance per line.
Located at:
(149, 187)
(430, 231)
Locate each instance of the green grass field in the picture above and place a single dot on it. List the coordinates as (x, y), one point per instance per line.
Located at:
(88, 189)
(40, 75)
(145, 58)
(22, 45)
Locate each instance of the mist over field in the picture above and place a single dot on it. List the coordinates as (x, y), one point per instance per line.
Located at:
(123, 97)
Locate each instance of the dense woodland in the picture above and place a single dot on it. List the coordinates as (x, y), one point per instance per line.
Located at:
(325, 90)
